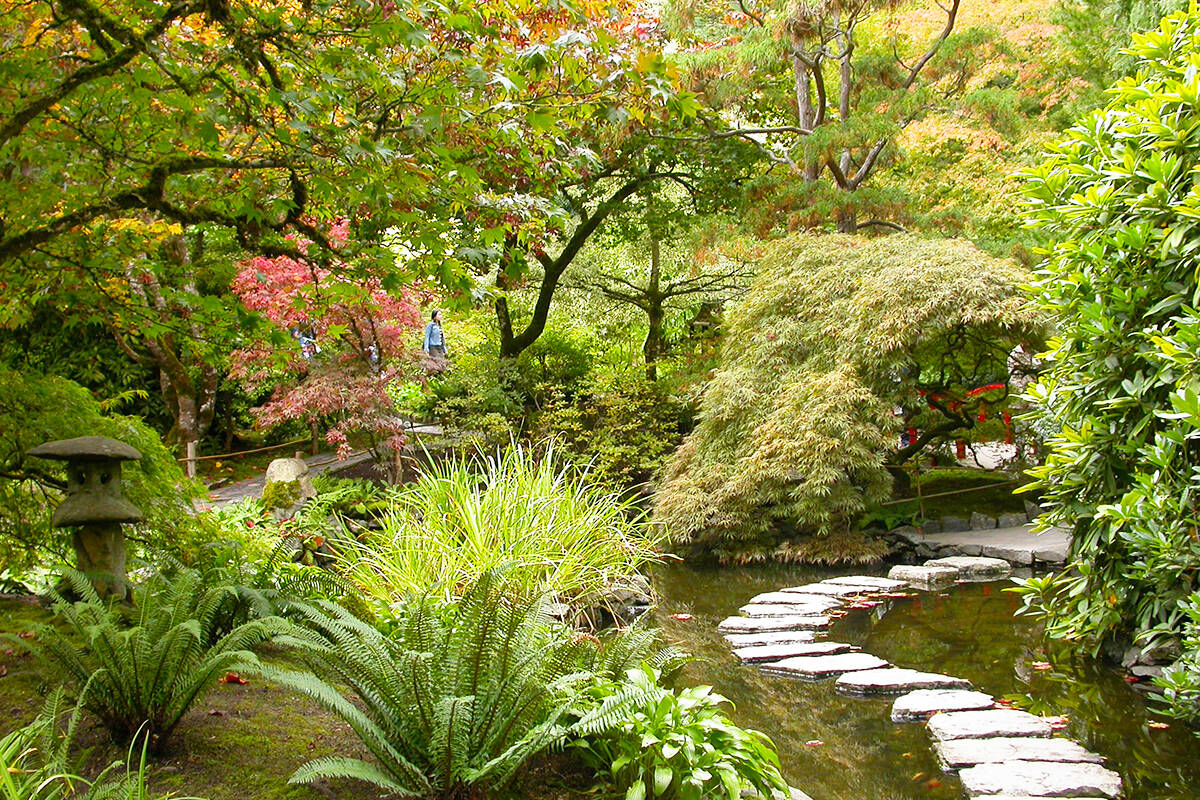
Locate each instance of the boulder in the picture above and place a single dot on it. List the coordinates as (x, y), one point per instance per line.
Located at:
(824, 589)
(1040, 779)
(1015, 520)
(288, 486)
(778, 652)
(763, 624)
(955, 524)
(919, 705)
(818, 667)
(908, 533)
(896, 681)
(1019, 556)
(790, 599)
(974, 566)
(982, 522)
(923, 577)
(783, 609)
(868, 582)
(958, 753)
(765, 638)
(987, 724)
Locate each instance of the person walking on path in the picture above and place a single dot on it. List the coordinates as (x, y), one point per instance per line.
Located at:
(435, 342)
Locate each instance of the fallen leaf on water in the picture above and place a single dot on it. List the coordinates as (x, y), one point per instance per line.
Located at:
(1157, 725)
(25, 634)
(233, 677)
(681, 617)
(216, 713)
(920, 776)
(3, 671)
(1042, 665)
(906, 755)
(814, 743)
(932, 783)
(1132, 679)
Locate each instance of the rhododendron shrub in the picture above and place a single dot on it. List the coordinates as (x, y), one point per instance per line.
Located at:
(340, 339)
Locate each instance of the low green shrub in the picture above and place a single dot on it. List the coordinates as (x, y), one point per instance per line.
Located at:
(671, 745)
(140, 676)
(540, 520)
(457, 698)
(623, 427)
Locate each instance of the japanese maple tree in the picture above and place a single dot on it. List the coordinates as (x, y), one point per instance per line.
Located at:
(340, 339)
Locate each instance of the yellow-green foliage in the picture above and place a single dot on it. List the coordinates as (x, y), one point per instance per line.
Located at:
(797, 422)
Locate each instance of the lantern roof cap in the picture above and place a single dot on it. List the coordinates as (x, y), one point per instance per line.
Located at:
(86, 448)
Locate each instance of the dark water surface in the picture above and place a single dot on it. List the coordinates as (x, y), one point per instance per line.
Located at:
(968, 631)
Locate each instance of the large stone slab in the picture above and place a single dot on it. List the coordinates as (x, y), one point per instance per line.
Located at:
(778, 652)
(792, 599)
(896, 681)
(957, 753)
(764, 638)
(1040, 779)
(923, 577)
(760, 624)
(1020, 555)
(974, 566)
(868, 581)
(783, 609)
(825, 589)
(818, 667)
(917, 706)
(986, 724)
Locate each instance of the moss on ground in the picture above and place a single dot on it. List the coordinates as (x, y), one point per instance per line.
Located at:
(988, 492)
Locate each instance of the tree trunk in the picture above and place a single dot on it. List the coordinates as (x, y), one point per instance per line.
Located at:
(653, 347)
(805, 112)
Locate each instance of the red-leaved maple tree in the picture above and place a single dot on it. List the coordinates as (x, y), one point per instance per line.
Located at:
(347, 339)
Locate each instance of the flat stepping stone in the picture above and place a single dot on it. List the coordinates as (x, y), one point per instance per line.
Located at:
(868, 581)
(818, 667)
(959, 753)
(737, 640)
(778, 652)
(826, 590)
(783, 609)
(759, 624)
(987, 724)
(974, 566)
(918, 705)
(896, 681)
(924, 577)
(792, 599)
(1040, 779)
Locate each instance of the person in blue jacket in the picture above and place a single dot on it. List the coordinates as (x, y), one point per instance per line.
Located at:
(435, 340)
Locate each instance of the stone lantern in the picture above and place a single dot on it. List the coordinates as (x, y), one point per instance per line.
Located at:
(95, 507)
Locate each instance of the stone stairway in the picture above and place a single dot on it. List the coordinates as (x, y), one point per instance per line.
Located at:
(999, 753)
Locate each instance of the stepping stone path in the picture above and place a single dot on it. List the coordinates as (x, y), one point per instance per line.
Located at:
(920, 704)
(1000, 753)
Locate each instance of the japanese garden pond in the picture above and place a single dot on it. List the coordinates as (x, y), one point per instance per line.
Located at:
(846, 748)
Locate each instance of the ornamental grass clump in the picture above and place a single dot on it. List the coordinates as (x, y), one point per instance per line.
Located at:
(541, 521)
(140, 676)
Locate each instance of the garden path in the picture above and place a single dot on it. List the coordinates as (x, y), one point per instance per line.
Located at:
(1019, 546)
(322, 462)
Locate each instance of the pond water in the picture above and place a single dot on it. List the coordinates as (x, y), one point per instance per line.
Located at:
(969, 631)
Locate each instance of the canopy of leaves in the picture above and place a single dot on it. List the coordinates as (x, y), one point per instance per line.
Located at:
(797, 424)
(1119, 195)
(35, 409)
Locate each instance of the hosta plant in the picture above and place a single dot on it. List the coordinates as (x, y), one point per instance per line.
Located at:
(672, 745)
(139, 671)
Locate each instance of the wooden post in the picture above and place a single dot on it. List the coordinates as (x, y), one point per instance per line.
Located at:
(316, 437)
(192, 451)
